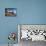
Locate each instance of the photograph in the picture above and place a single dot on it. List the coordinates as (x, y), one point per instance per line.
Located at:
(10, 11)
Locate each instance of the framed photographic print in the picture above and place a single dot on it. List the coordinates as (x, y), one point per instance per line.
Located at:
(10, 11)
(33, 32)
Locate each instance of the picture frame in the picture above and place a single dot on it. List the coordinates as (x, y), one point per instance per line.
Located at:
(10, 12)
(37, 29)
